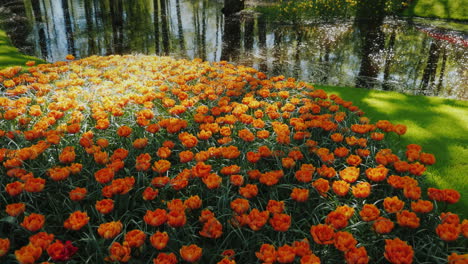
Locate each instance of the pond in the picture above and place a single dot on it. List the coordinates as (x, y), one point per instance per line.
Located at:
(416, 57)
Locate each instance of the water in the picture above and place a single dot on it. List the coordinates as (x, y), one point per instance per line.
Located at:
(418, 57)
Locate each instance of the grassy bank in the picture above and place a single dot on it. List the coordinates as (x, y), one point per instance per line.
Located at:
(9, 55)
(446, 9)
(439, 125)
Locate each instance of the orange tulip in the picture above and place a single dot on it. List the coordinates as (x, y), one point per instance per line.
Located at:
(191, 253)
(322, 234)
(76, 220)
(159, 240)
(110, 230)
(4, 246)
(398, 251)
(135, 238)
(33, 222)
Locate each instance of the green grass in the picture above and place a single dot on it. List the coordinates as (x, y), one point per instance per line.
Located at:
(10, 56)
(439, 125)
(446, 9)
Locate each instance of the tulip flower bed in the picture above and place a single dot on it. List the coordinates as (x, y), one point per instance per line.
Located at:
(146, 159)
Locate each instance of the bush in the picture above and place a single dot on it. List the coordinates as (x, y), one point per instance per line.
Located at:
(140, 158)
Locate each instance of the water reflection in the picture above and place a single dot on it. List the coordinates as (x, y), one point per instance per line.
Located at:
(395, 55)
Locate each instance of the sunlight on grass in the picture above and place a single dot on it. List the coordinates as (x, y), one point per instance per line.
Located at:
(10, 56)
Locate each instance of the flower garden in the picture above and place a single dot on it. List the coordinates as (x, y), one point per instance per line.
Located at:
(146, 159)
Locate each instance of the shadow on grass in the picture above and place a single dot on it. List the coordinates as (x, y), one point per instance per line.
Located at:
(439, 125)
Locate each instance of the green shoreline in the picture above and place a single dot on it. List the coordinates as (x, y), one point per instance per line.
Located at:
(437, 124)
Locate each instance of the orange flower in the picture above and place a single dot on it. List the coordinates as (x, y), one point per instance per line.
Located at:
(267, 253)
(253, 157)
(398, 251)
(188, 140)
(422, 206)
(383, 225)
(104, 175)
(68, 155)
(240, 205)
(299, 195)
(42, 240)
(143, 162)
(322, 186)
(156, 217)
(76, 220)
(110, 230)
(280, 222)
(119, 252)
(354, 160)
(322, 234)
(176, 218)
(186, 156)
(302, 248)
(105, 206)
(275, 207)
(285, 254)
(124, 131)
(377, 174)
(161, 166)
(212, 228)
(58, 173)
(450, 218)
(246, 135)
(201, 170)
(193, 202)
(345, 210)
(212, 180)
(310, 259)
(233, 169)
(191, 253)
(454, 258)
(33, 222)
(288, 163)
(28, 254)
(15, 209)
(4, 246)
(341, 188)
(350, 174)
(464, 228)
(78, 194)
(150, 194)
(407, 219)
(257, 219)
(451, 196)
(448, 232)
(361, 190)
(249, 191)
(393, 204)
(159, 240)
(140, 143)
(344, 241)
(357, 256)
(369, 212)
(135, 238)
(336, 219)
(164, 258)
(327, 172)
(337, 137)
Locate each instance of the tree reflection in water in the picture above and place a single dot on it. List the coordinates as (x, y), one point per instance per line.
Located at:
(373, 53)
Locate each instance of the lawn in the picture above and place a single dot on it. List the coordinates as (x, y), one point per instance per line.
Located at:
(9, 55)
(446, 9)
(439, 125)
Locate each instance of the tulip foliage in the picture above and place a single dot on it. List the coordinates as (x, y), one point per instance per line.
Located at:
(146, 159)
